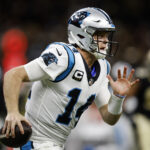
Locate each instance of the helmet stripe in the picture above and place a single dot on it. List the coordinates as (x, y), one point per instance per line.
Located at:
(105, 14)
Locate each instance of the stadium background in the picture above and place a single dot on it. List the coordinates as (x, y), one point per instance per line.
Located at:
(46, 21)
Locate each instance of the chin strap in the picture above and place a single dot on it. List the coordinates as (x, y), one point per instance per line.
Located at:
(99, 55)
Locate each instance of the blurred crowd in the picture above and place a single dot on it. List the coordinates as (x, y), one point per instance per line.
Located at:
(28, 26)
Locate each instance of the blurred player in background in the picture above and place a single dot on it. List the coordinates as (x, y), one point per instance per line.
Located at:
(137, 105)
(67, 79)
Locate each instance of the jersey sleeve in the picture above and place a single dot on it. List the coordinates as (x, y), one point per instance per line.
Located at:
(34, 71)
(104, 93)
(54, 60)
(107, 66)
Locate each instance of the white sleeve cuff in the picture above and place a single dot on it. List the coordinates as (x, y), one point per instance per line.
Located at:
(34, 71)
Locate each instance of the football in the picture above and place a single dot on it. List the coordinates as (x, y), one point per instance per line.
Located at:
(20, 139)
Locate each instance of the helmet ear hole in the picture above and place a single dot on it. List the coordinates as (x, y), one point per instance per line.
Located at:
(80, 36)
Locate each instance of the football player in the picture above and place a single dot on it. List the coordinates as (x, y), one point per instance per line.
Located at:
(67, 79)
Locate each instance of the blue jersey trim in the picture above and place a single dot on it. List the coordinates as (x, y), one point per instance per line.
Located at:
(27, 146)
(108, 67)
(106, 15)
(71, 62)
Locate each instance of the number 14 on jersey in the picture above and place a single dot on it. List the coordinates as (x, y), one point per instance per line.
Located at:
(74, 94)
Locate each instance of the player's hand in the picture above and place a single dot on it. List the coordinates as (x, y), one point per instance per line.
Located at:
(13, 119)
(123, 83)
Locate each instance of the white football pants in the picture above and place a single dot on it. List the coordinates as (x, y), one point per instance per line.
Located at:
(41, 146)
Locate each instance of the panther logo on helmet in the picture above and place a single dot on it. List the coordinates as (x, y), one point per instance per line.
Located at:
(78, 17)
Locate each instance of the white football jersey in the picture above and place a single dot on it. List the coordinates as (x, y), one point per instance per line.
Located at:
(64, 87)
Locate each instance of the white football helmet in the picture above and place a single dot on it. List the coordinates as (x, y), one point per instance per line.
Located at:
(84, 23)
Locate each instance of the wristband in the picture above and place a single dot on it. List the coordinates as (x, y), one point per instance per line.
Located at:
(115, 104)
(120, 96)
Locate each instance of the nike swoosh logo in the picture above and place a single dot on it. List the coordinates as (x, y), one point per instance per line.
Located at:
(59, 54)
(97, 21)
